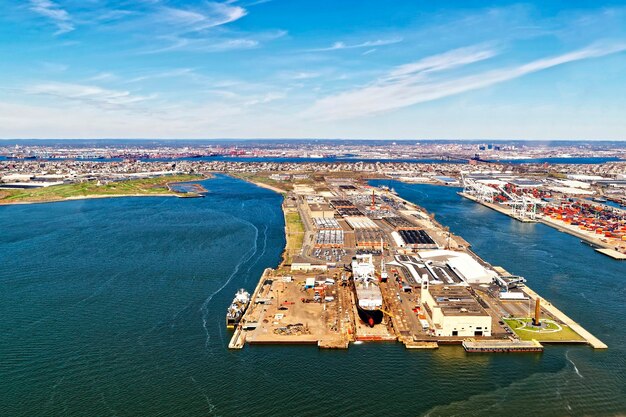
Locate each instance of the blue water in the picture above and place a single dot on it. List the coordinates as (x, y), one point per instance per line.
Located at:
(116, 307)
(607, 203)
(573, 160)
(265, 159)
(570, 160)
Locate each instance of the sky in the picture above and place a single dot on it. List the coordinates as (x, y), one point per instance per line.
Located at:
(312, 69)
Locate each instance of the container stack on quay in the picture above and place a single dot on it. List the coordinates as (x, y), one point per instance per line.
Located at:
(566, 205)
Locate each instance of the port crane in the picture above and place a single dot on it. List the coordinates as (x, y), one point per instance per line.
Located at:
(523, 207)
(481, 191)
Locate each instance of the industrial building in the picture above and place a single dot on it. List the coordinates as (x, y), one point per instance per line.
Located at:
(369, 238)
(326, 223)
(462, 264)
(454, 312)
(361, 222)
(398, 223)
(329, 238)
(417, 239)
(350, 211)
(342, 204)
(320, 210)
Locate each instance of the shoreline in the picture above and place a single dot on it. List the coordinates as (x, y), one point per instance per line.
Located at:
(262, 185)
(97, 196)
(87, 197)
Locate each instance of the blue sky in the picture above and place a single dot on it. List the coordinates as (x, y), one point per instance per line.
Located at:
(312, 69)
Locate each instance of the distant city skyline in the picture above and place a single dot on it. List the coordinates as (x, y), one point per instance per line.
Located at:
(302, 69)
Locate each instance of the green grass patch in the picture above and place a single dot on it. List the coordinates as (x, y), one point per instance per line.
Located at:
(145, 186)
(295, 235)
(549, 332)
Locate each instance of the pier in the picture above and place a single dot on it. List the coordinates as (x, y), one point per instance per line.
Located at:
(501, 346)
(612, 254)
(434, 290)
(590, 339)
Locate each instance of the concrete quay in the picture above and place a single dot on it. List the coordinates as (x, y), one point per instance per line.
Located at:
(603, 247)
(592, 341)
(497, 208)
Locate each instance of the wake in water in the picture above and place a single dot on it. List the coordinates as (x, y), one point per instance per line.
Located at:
(260, 255)
(245, 258)
(515, 397)
(211, 406)
(573, 364)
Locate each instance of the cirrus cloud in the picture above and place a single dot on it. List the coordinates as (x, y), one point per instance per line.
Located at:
(409, 84)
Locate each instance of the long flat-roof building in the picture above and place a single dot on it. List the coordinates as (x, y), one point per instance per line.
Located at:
(320, 210)
(454, 312)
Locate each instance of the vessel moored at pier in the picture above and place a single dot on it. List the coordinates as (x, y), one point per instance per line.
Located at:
(237, 308)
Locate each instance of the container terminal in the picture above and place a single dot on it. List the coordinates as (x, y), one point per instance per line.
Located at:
(566, 206)
(363, 265)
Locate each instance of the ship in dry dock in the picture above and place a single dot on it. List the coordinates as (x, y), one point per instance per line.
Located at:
(369, 298)
(237, 308)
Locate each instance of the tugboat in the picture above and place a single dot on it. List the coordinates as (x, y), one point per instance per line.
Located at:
(368, 296)
(237, 308)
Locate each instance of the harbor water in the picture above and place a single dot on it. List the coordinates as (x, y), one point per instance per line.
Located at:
(116, 307)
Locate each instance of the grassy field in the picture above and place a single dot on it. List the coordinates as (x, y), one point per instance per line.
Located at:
(145, 186)
(551, 332)
(295, 234)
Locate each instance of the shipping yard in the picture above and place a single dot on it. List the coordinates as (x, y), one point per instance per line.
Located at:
(370, 266)
(577, 206)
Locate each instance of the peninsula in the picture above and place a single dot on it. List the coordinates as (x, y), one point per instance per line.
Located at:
(362, 264)
(151, 186)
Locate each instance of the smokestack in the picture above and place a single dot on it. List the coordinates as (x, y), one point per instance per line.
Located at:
(537, 313)
(373, 201)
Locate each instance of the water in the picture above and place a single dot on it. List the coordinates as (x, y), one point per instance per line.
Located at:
(272, 159)
(586, 285)
(351, 159)
(578, 160)
(607, 203)
(116, 307)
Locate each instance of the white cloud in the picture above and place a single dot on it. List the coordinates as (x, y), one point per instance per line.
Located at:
(299, 75)
(267, 98)
(174, 73)
(204, 44)
(445, 61)
(103, 76)
(209, 16)
(88, 94)
(368, 44)
(409, 84)
(59, 16)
